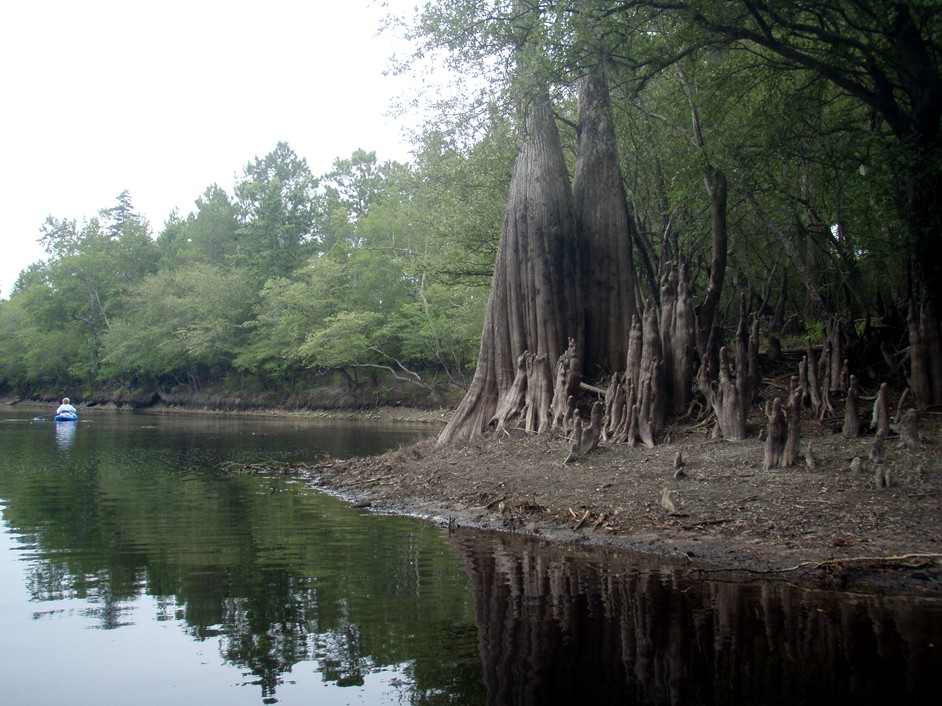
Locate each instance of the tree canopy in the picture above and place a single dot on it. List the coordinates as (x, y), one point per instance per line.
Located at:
(593, 163)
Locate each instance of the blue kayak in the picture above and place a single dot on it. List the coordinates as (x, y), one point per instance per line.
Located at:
(67, 417)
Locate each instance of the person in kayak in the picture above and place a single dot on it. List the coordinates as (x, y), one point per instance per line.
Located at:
(66, 407)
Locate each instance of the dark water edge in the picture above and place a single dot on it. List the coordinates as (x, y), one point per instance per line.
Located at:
(579, 625)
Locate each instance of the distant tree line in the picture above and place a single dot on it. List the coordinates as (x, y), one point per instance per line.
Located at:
(292, 282)
(783, 160)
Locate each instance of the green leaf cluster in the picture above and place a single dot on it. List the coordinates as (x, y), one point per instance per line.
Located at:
(269, 288)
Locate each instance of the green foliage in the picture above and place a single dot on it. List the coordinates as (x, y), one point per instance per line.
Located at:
(442, 328)
(275, 200)
(70, 301)
(459, 199)
(346, 339)
(180, 323)
(209, 235)
(31, 355)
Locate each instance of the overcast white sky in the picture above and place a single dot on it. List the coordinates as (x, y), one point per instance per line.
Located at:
(166, 98)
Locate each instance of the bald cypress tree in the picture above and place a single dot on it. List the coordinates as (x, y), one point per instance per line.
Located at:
(534, 303)
(603, 229)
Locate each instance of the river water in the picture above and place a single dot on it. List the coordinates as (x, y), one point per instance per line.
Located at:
(132, 570)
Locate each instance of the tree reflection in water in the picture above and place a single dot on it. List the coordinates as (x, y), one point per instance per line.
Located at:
(566, 626)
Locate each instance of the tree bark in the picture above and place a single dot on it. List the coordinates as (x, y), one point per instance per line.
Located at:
(925, 369)
(566, 389)
(539, 394)
(511, 404)
(909, 430)
(587, 437)
(851, 429)
(811, 368)
(775, 440)
(708, 336)
(615, 401)
(603, 229)
(684, 342)
(727, 403)
(534, 303)
(793, 435)
(652, 370)
(635, 346)
(880, 418)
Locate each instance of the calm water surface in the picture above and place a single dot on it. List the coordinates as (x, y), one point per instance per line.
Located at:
(133, 571)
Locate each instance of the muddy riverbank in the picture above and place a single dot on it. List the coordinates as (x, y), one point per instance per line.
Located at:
(833, 523)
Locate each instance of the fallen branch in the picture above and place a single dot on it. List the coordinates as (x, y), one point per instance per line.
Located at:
(706, 523)
(817, 565)
(582, 522)
(830, 563)
(592, 388)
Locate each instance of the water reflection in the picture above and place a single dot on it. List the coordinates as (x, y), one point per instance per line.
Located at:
(248, 589)
(567, 626)
(65, 434)
(282, 594)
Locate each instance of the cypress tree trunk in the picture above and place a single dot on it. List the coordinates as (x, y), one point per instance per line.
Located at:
(603, 229)
(534, 303)
(709, 338)
(683, 342)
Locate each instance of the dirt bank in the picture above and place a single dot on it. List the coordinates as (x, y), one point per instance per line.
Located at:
(831, 523)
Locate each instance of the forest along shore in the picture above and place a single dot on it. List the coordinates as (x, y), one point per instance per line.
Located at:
(845, 521)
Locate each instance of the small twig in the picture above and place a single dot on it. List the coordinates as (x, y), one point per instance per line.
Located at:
(704, 523)
(582, 522)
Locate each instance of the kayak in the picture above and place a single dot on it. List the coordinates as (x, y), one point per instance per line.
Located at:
(67, 417)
